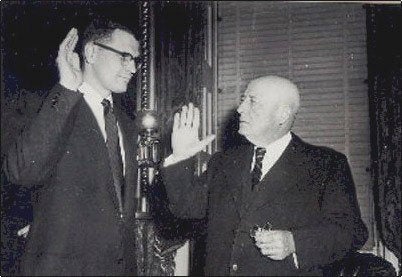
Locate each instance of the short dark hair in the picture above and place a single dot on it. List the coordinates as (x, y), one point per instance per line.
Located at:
(101, 29)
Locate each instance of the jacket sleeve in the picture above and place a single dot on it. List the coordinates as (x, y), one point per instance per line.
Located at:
(340, 230)
(36, 150)
(188, 193)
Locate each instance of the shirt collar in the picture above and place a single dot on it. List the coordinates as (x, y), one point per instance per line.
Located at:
(278, 145)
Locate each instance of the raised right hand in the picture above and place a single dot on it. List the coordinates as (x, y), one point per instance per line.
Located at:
(185, 140)
(68, 62)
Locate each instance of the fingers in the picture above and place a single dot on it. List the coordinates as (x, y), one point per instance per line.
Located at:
(69, 39)
(270, 251)
(269, 245)
(66, 48)
(68, 62)
(276, 244)
(176, 121)
(274, 255)
(75, 61)
(264, 236)
(267, 240)
(189, 117)
(73, 40)
(183, 117)
(273, 250)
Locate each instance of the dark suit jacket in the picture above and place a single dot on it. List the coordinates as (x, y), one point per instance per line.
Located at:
(76, 228)
(308, 191)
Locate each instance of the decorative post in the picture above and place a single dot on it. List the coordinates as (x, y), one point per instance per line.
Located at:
(150, 258)
(148, 151)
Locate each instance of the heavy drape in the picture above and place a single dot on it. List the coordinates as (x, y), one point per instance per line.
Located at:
(385, 94)
(180, 74)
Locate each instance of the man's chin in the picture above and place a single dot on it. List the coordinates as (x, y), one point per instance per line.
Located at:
(245, 134)
(242, 130)
(121, 89)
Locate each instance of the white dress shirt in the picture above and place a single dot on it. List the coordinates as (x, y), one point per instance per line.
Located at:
(274, 152)
(94, 101)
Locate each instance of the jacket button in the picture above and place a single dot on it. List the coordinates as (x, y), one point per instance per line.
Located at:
(234, 267)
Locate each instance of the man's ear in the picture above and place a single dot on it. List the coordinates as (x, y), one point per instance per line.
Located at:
(90, 52)
(284, 114)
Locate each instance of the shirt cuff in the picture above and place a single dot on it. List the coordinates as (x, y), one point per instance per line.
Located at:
(295, 261)
(170, 160)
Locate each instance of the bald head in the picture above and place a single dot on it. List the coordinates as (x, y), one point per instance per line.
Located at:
(281, 90)
(269, 109)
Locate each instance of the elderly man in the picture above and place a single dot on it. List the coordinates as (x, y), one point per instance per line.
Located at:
(79, 154)
(278, 206)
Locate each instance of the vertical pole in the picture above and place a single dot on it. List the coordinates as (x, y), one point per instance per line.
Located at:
(150, 258)
(142, 223)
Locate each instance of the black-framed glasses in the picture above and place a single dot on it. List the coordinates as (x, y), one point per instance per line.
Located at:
(257, 228)
(126, 58)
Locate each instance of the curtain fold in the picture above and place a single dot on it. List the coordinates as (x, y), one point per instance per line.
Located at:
(385, 98)
(180, 74)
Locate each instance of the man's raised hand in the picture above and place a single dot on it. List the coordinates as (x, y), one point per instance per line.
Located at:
(185, 140)
(68, 62)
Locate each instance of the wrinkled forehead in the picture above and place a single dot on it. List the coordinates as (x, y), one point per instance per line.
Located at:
(125, 42)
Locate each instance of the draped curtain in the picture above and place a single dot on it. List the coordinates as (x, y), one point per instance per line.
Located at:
(385, 97)
(180, 74)
(179, 54)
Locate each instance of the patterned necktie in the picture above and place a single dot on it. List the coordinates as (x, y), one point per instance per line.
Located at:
(256, 173)
(113, 147)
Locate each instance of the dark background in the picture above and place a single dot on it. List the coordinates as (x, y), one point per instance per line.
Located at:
(31, 32)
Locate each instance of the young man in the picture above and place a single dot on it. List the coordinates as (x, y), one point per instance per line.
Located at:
(80, 154)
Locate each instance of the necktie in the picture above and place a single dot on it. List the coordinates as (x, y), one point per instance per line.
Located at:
(112, 142)
(256, 173)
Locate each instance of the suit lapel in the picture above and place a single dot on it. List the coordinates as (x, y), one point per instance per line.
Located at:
(280, 178)
(130, 136)
(238, 174)
(98, 148)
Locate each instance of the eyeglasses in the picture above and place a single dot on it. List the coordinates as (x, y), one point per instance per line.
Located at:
(256, 228)
(126, 58)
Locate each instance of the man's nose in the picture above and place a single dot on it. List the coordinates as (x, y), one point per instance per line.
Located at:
(132, 67)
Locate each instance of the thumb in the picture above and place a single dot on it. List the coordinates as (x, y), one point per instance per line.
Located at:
(206, 141)
(194, 149)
